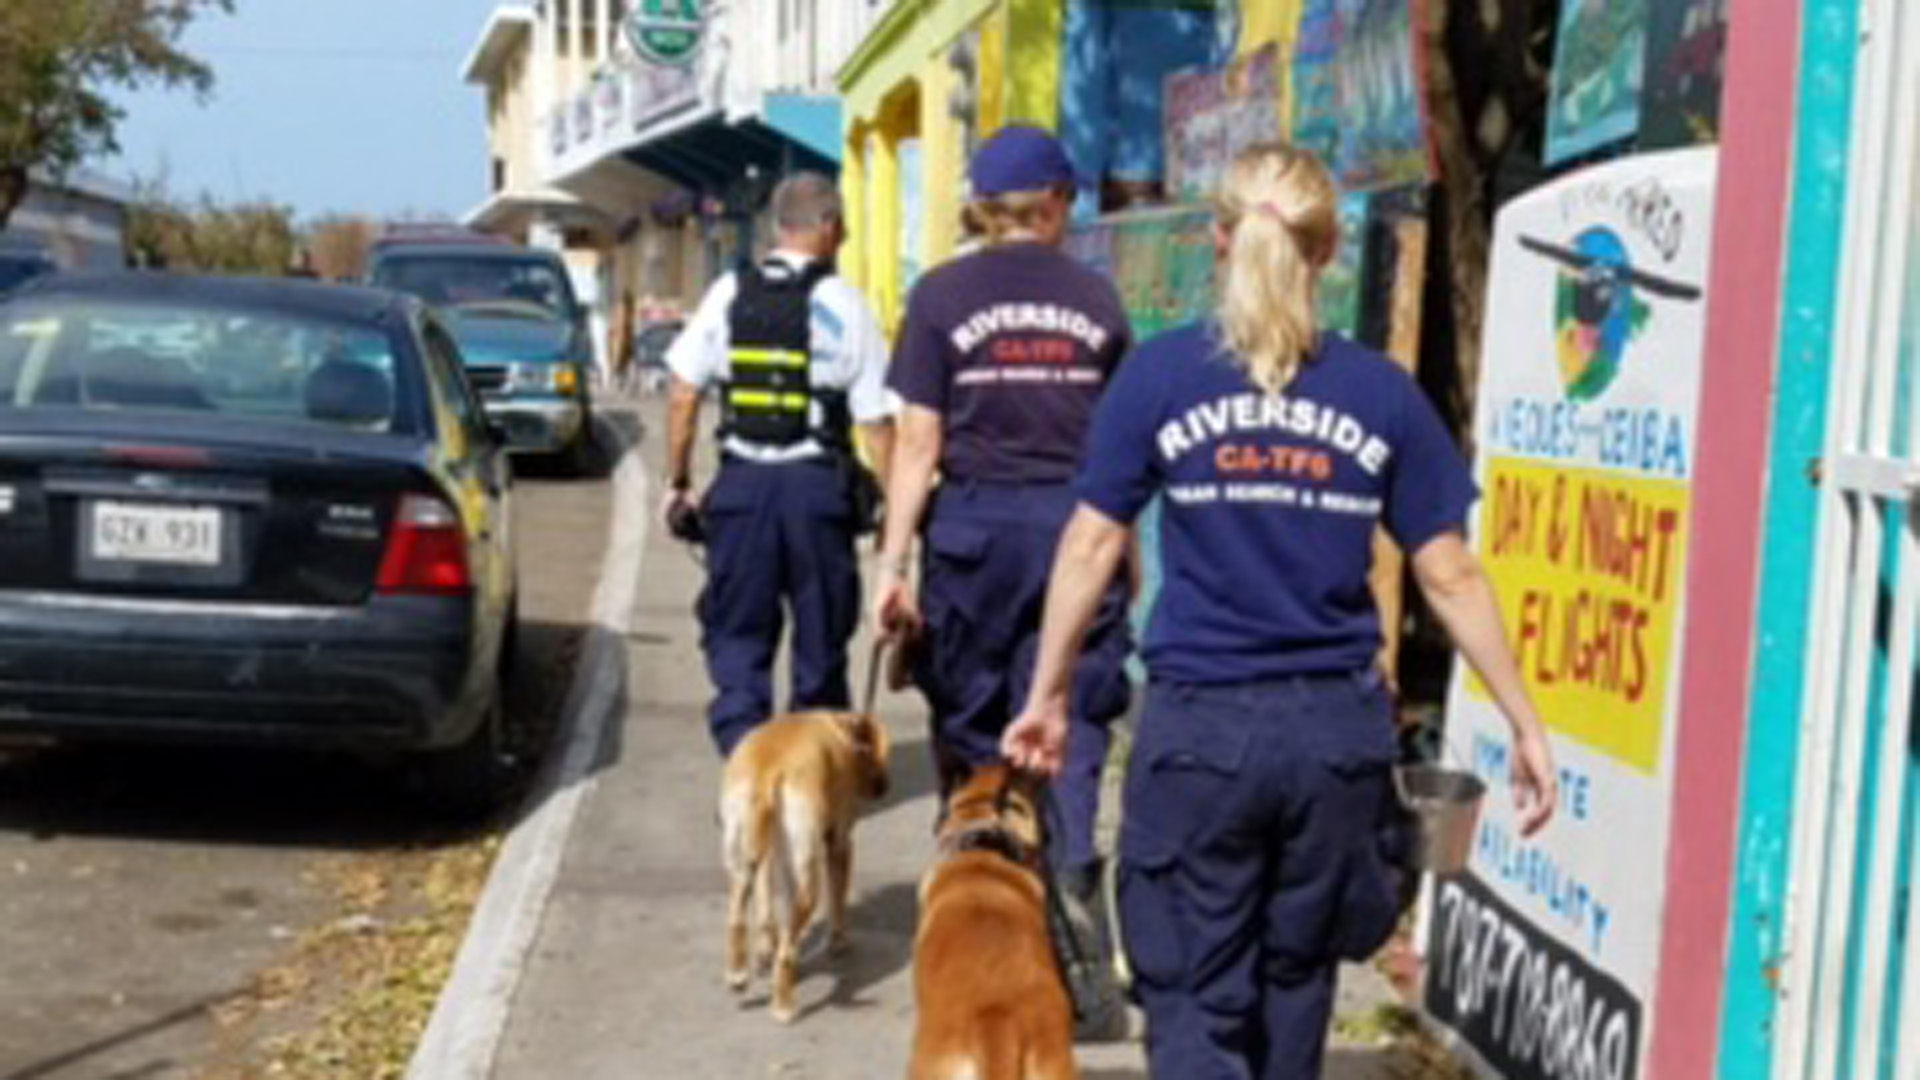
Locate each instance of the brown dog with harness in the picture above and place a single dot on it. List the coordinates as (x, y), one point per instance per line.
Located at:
(992, 1003)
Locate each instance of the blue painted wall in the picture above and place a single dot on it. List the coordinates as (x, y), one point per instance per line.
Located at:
(1115, 65)
(1828, 52)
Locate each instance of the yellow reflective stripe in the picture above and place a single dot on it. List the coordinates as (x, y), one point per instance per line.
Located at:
(771, 357)
(767, 399)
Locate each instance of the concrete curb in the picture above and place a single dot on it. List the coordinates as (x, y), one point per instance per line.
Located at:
(463, 1035)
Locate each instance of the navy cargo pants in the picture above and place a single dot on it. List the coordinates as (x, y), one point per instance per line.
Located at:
(989, 554)
(780, 542)
(1261, 845)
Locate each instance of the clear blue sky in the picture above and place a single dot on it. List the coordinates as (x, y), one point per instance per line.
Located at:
(326, 105)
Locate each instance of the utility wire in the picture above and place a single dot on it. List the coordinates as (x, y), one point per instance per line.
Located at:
(326, 52)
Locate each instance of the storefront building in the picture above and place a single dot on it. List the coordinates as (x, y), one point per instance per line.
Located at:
(79, 220)
(644, 136)
(1676, 323)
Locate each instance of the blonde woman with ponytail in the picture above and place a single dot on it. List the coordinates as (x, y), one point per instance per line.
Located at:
(1261, 844)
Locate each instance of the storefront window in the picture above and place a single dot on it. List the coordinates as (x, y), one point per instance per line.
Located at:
(912, 210)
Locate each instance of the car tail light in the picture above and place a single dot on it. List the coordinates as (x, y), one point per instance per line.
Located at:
(426, 550)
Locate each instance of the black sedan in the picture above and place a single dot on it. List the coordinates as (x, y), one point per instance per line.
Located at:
(250, 511)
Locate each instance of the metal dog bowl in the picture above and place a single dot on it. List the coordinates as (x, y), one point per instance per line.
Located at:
(1446, 803)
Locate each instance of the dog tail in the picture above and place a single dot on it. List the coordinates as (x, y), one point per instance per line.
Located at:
(761, 820)
(750, 813)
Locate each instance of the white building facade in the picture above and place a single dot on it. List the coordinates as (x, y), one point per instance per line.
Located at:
(643, 136)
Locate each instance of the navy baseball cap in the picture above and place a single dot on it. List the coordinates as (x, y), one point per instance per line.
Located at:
(1020, 158)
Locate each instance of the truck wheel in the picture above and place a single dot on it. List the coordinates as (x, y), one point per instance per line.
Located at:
(578, 458)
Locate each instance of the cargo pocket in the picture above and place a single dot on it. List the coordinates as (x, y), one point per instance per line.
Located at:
(1177, 792)
(1374, 876)
(955, 550)
(958, 542)
(1371, 895)
(1152, 925)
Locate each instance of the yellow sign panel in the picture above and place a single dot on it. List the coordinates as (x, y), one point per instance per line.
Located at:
(1589, 565)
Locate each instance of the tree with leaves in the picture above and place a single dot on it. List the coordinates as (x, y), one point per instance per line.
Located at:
(207, 236)
(340, 246)
(57, 60)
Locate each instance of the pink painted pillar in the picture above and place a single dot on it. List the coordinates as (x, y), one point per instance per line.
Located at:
(1728, 506)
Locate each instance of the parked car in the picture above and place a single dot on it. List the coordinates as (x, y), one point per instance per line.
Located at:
(19, 265)
(251, 511)
(414, 234)
(524, 335)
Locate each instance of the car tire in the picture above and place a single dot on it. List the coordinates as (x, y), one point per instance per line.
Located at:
(577, 459)
(468, 781)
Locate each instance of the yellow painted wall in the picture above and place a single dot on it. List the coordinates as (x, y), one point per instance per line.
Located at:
(853, 193)
(943, 149)
(914, 34)
(899, 120)
(1034, 32)
(1268, 22)
(898, 85)
(993, 67)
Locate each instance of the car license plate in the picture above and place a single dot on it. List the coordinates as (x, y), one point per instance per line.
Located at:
(165, 535)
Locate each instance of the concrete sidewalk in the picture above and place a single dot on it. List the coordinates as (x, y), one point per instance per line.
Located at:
(624, 979)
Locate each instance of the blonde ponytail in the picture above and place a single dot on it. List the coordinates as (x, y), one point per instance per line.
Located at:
(1279, 217)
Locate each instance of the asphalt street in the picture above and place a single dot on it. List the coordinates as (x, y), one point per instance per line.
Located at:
(142, 890)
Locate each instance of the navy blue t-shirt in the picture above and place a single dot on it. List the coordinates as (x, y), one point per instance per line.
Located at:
(1012, 346)
(1266, 534)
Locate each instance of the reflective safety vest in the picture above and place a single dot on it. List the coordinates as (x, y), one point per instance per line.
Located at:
(769, 393)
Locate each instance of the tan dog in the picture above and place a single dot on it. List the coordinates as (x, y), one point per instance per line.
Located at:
(992, 1003)
(789, 797)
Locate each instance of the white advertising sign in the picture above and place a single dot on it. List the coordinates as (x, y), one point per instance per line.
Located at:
(1543, 955)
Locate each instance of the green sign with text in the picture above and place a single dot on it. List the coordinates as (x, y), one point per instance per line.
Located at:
(667, 31)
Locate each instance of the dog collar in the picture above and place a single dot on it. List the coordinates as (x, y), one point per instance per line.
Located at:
(995, 838)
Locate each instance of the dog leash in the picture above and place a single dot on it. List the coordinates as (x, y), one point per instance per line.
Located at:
(1073, 958)
(876, 663)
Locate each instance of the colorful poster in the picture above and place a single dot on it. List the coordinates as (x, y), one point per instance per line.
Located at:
(1598, 62)
(1275, 24)
(1316, 85)
(1092, 244)
(1358, 101)
(1160, 261)
(1213, 115)
(1686, 66)
(1341, 285)
(1383, 115)
(1543, 955)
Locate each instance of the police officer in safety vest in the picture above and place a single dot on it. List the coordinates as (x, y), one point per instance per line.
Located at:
(799, 362)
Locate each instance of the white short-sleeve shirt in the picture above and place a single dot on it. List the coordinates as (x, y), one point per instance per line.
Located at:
(849, 354)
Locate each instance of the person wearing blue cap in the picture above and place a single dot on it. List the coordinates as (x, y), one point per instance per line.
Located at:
(1003, 356)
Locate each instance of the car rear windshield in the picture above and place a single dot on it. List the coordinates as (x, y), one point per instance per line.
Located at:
(535, 288)
(246, 365)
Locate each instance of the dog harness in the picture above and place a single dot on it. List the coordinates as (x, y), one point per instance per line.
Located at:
(994, 838)
(769, 394)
